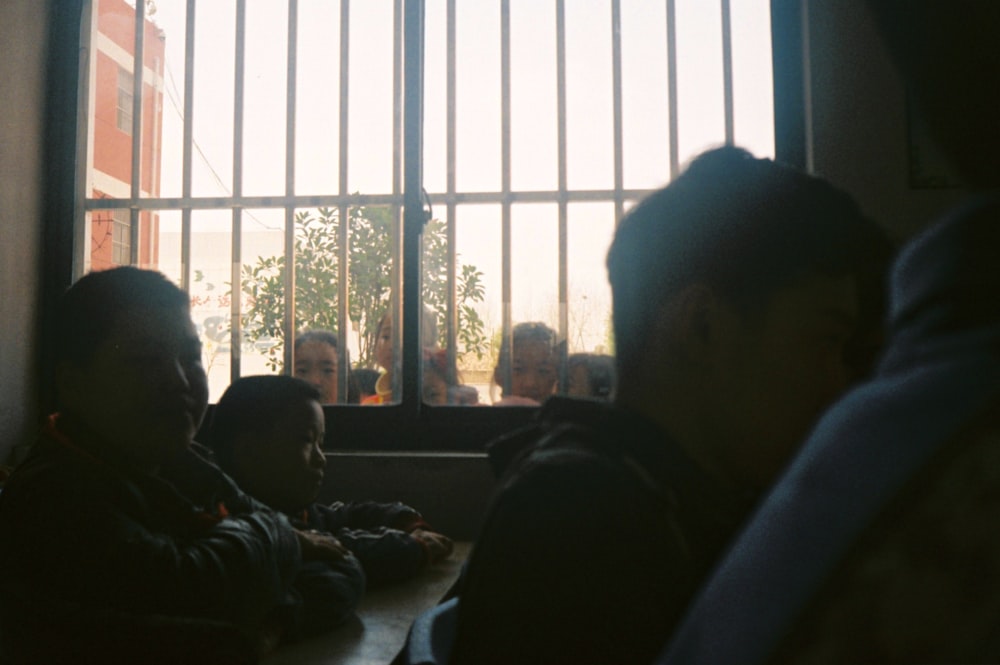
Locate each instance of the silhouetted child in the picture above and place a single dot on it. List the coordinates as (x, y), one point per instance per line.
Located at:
(267, 432)
(590, 375)
(535, 367)
(441, 386)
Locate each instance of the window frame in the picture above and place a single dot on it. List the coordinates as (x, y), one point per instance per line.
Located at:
(409, 425)
(123, 107)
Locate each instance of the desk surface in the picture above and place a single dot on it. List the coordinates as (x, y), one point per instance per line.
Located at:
(375, 636)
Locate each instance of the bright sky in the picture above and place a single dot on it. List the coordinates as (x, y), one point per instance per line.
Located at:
(534, 138)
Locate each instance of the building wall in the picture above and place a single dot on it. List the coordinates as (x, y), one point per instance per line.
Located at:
(114, 44)
(23, 34)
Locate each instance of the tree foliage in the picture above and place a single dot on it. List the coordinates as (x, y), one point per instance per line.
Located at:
(317, 294)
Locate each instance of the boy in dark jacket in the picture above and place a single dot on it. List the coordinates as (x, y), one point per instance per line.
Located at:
(267, 433)
(115, 522)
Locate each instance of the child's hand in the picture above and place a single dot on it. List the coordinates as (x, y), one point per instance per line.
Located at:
(438, 547)
(317, 546)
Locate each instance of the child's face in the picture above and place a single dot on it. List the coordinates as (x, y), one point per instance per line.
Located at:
(383, 345)
(316, 362)
(144, 391)
(284, 467)
(533, 371)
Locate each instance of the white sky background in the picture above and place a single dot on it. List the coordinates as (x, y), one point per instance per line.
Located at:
(534, 138)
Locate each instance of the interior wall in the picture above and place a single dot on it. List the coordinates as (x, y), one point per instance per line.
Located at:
(856, 106)
(23, 34)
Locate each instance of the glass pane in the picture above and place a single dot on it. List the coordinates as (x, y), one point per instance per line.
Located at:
(478, 96)
(264, 101)
(262, 304)
(589, 95)
(168, 244)
(753, 98)
(479, 329)
(534, 302)
(370, 100)
(435, 97)
(211, 261)
(317, 105)
(534, 121)
(112, 94)
(215, 44)
(700, 113)
(590, 341)
(645, 110)
(171, 17)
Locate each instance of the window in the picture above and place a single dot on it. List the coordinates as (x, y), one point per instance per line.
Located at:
(121, 238)
(123, 112)
(325, 134)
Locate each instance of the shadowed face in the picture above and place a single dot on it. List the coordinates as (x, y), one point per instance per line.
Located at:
(144, 392)
(284, 467)
(781, 369)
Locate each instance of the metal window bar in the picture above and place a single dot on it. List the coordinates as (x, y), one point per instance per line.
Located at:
(727, 69)
(137, 82)
(407, 47)
(505, 220)
(616, 95)
(414, 217)
(673, 131)
(451, 219)
(343, 211)
(562, 185)
(187, 148)
(290, 83)
(236, 257)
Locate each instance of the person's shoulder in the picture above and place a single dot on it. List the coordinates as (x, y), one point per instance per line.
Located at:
(564, 420)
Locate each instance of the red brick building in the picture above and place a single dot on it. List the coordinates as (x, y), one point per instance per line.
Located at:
(112, 86)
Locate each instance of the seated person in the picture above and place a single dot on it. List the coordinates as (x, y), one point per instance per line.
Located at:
(590, 375)
(734, 298)
(442, 386)
(115, 518)
(528, 366)
(267, 433)
(880, 543)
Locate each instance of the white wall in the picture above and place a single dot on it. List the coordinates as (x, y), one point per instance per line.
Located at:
(23, 32)
(858, 116)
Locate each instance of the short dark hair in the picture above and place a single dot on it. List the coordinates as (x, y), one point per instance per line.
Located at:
(324, 336)
(253, 404)
(747, 227)
(88, 310)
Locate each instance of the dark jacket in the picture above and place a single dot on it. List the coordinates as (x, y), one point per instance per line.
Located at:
(879, 542)
(593, 545)
(76, 531)
(378, 534)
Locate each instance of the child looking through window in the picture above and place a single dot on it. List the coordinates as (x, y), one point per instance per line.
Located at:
(532, 359)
